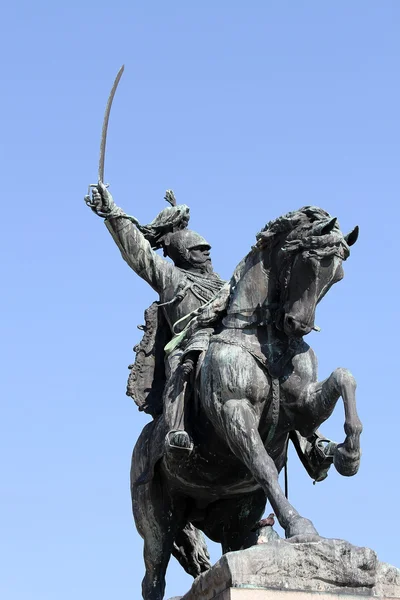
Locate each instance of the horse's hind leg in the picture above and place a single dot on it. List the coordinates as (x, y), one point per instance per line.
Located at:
(158, 521)
(238, 423)
(319, 400)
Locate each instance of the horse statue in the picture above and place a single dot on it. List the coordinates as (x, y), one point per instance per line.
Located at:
(256, 384)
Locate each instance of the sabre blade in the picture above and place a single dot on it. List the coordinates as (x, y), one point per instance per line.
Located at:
(105, 125)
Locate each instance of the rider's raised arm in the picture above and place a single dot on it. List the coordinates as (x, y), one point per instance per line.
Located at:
(137, 252)
(134, 247)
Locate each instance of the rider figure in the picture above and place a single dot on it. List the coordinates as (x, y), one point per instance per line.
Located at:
(183, 287)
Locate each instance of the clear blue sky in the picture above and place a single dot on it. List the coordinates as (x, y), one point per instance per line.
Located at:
(246, 110)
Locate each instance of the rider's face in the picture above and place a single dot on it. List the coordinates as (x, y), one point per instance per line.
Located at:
(200, 257)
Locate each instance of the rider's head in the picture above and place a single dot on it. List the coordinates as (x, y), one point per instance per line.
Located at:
(188, 250)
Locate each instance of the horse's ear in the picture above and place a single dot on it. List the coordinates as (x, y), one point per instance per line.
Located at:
(352, 237)
(324, 227)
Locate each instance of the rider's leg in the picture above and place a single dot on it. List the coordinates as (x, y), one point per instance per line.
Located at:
(174, 404)
(181, 366)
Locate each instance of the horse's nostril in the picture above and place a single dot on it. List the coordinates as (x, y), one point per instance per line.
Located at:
(290, 321)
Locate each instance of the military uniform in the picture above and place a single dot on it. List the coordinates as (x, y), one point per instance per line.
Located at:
(181, 292)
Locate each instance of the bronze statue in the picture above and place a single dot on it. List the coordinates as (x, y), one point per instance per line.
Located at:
(235, 382)
(254, 385)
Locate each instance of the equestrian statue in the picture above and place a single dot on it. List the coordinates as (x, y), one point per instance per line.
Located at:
(225, 372)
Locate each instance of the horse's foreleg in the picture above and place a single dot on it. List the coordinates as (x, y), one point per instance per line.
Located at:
(320, 400)
(239, 426)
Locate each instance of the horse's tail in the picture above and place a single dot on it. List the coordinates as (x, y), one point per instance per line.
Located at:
(190, 550)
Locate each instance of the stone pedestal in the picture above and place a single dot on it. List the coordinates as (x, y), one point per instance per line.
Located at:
(248, 594)
(282, 570)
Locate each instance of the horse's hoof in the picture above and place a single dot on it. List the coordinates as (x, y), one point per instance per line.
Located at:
(346, 463)
(299, 526)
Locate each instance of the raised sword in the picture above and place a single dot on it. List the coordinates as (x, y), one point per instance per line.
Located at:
(103, 141)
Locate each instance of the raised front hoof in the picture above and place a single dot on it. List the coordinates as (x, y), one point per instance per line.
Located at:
(300, 527)
(346, 463)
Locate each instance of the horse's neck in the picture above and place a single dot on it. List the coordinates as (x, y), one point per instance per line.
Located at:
(252, 313)
(254, 296)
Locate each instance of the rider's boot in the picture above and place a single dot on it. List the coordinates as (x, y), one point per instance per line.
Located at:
(177, 446)
(178, 443)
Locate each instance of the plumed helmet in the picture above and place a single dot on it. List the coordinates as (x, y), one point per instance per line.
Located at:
(169, 231)
(187, 238)
(177, 245)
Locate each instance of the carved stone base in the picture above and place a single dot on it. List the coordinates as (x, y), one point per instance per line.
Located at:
(280, 570)
(248, 594)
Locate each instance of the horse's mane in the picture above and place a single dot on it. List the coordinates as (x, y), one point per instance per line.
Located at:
(296, 232)
(297, 228)
(301, 220)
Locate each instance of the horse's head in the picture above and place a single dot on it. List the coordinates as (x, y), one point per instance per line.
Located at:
(305, 251)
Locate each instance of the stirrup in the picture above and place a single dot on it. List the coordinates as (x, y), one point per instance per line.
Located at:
(324, 455)
(174, 447)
